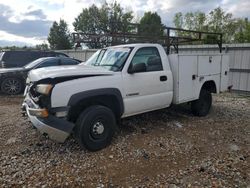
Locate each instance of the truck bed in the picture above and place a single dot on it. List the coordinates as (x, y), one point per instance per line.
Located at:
(190, 72)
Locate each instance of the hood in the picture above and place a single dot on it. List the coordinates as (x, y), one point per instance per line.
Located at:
(66, 71)
(7, 70)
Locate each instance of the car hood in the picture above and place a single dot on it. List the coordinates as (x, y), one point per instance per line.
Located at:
(7, 70)
(66, 71)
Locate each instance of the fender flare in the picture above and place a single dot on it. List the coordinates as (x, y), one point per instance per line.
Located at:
(76, 98)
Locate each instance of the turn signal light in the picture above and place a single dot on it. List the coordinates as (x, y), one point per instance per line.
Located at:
(39, 112)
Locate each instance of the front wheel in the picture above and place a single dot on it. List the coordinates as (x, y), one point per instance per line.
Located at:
(201, 107)
(95, 127)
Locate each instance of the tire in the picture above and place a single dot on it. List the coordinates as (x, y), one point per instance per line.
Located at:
(202, 106)
(12, 86)
(95, 128)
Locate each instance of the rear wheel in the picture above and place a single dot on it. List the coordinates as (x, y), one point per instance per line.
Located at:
(201, 107)
(11, 86)
(95, 127)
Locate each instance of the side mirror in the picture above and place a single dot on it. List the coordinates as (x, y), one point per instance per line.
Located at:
(139, 67)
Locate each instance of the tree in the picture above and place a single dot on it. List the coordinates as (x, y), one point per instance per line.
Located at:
(110, 18)
(243, 34)
(246, 31)
(200, 21)
(119, 20)
(59, 37)
(192, 21)
(151, 25)
(216, 21)
(178, 20)
(43, 46)
(220, 21)
(92, 20)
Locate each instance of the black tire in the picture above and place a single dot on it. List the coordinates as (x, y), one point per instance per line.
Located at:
(95, 127)
(12, 86)
(202, 106)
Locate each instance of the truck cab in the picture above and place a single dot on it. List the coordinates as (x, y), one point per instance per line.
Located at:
(116, 82)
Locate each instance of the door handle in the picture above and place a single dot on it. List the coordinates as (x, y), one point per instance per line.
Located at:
(163, 78)
(193, 77)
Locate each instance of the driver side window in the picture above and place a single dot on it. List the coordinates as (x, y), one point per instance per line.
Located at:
(150, 57)
(49, 63)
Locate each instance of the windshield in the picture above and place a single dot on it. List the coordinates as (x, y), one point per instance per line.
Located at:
(110, 58)
(33, 63)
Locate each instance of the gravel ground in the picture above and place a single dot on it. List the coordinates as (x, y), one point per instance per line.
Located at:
(166, 148)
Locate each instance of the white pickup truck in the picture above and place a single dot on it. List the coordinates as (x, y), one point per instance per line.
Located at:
(116, 82)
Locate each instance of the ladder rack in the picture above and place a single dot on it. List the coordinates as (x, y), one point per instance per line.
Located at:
(172, 37)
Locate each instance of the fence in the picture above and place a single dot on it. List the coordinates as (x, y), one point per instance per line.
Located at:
(239, 75)
(82, 55)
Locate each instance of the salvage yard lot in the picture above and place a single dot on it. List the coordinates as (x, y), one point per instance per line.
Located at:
(166, 147)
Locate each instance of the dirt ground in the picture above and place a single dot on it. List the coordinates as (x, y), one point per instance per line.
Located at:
(166, 148)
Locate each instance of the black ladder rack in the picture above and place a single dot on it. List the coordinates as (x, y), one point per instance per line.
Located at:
(173, 37)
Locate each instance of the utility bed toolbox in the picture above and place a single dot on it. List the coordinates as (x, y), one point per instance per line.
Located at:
(191, 71)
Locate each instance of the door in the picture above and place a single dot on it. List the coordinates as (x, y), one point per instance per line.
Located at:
(208, 65)
(188, 80)
(149, 89)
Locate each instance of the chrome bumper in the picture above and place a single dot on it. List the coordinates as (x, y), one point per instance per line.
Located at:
(57, 129)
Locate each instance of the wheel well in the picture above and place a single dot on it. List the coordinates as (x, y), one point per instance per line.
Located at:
(108, 101)
(209, 86)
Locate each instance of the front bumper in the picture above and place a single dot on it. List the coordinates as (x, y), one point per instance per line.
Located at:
(56, 128)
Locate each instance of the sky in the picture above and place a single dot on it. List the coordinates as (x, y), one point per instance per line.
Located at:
(27, 22)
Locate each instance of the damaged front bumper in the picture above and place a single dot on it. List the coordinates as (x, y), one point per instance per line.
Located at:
(56, 128)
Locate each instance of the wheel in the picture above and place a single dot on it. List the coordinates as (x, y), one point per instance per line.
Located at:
(201, 107)
(95, 127)
(12, 86)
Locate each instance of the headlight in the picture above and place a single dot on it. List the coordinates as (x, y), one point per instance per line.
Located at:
(27, 80)
(44, 88)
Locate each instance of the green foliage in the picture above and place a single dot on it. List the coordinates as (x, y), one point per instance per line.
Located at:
(150, 25)
(200, 21)
(15, 48)
(119, 20)
(178, 20)
(92, 20)
(220, 21)
(191, 21)
(43, 46)
(217, 20)
(243, 34)
(110, 18)
(59, 37)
